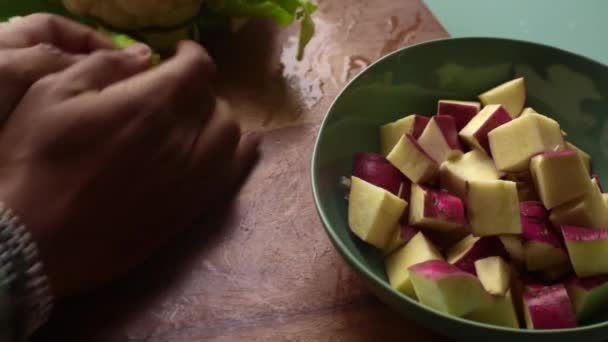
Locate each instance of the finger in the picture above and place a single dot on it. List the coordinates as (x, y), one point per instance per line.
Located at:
(103, 68)
(52, 29)
(214, 150)
(188, 72)
(22, 67)
(245, 159)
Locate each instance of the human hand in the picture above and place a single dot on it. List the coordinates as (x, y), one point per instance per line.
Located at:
(105, 161)
(38, 45)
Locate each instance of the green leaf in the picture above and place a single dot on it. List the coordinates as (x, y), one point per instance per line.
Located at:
(307, 31)
(284, 12)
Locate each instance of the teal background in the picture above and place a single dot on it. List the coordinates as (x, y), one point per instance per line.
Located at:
(580, 26)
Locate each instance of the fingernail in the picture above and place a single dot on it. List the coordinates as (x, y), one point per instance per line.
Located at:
(139, 50)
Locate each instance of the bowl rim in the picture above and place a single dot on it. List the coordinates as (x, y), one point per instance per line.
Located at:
(363, 271)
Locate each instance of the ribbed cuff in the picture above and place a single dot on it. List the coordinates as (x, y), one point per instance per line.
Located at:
(28, 285)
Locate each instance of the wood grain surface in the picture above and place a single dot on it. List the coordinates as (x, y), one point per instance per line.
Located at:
(264, 269)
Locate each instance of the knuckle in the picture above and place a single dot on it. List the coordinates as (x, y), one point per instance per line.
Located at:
(44, 20)
(110, 59)
(44, 85)
(42, 55)
(33, 24)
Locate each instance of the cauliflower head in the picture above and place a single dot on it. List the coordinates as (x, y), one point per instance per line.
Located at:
(137, 14)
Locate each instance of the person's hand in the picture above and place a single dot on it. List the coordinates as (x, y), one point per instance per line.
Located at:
(38, 45)
(105, 161)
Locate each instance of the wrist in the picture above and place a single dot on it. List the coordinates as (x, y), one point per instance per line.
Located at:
(25, 286)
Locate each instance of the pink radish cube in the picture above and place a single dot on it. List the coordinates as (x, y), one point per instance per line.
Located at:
(559, 177)
(475, 133)
(549, 307)
(413, 161)
(588, 295)
(440, 138)
(376, 169)
(392, 132)
(461, 111)
(472, 248)
(542, 247)
(435, 210)
(473, 165)
(417, 250)
(446, 288)
(588, 250)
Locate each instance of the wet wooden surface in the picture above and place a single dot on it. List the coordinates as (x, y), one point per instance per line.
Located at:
(264, 270)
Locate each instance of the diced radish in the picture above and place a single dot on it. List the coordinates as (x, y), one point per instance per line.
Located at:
(542, 247)
(515, 142)
(500, 311)
(534, 210)
(470, 249)
(549, 307)
(584, 155)
(589, 210)
(435, 210)
(511, 94)
(588, 295)
(588, 250)
(494, 274)
(392, 132)
(417, 250)
(373, 212)
(440, 138)
(376, 169)
(413, 161)
(445, 240)
(493, 207)
(559, 177)
(446, 288)
(473, 165)
(475, 133)
(461, 111)
(525, 186)
(401, 236)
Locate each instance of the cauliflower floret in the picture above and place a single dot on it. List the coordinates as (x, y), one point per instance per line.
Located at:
(137, 14)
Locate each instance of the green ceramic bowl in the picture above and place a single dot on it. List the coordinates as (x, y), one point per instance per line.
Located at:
(570, 88)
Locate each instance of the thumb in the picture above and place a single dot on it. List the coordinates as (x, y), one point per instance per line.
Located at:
(20, 68)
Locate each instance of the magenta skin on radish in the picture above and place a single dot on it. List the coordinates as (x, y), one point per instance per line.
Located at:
(573, 233)
(447, 125)
(436, 269)
(553, 154)
(406, 194)
(486, 246)
(539, 231)
(534, 211)
(408, 232)
(377, 170)
(420, 123)
(461, 112)
(550, 308)
(587, 283)
(444, 206)
(498, 118)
